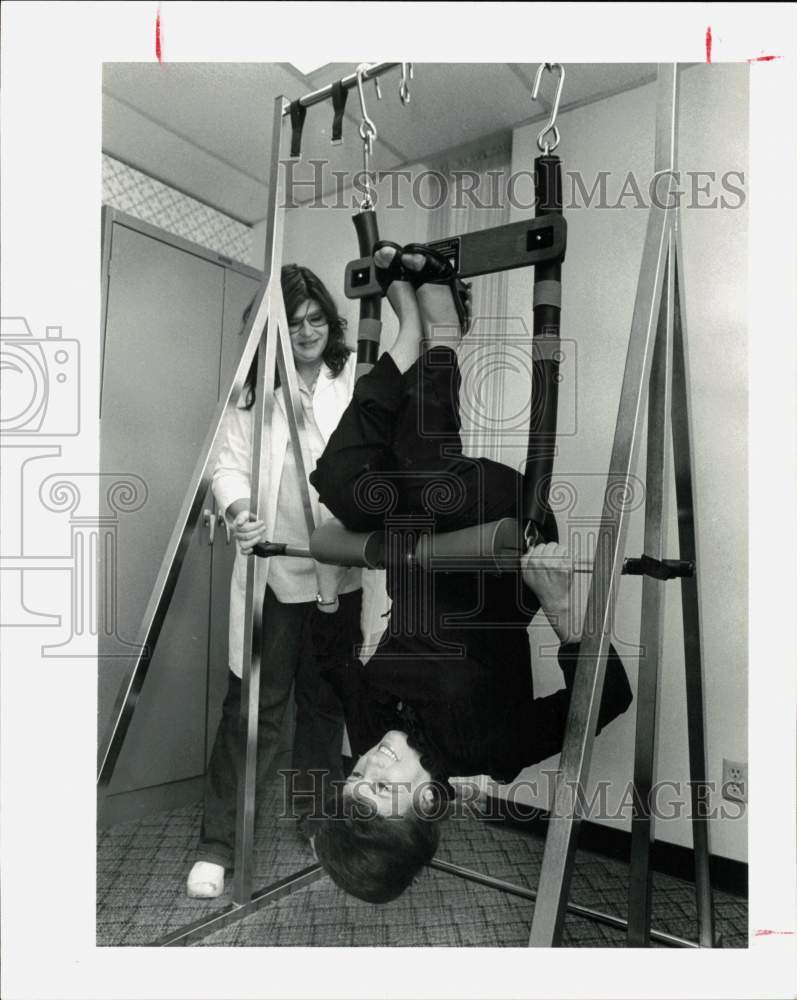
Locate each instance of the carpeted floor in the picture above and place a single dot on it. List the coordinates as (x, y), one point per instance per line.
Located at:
(142, 867)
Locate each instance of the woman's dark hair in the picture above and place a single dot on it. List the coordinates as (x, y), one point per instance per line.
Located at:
(373, 857)
(298, 285)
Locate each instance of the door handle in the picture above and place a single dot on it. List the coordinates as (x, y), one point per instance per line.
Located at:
(210, 523)
(222, 520)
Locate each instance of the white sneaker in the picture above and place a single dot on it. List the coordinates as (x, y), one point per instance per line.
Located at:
(205, 881)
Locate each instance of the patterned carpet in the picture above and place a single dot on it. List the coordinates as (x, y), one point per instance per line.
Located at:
(142, 866)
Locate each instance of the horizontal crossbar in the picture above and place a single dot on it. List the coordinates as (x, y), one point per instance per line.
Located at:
(487, 251)
(582, 911)
(234, 912)
(317, 96)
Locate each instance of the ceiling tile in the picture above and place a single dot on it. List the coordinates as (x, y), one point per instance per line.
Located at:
(136, 140)
(205, 127)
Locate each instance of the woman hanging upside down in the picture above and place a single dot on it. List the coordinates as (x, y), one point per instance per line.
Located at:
(449, 689)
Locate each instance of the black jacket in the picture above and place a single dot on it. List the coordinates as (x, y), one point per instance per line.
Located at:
(454, 662)
(473, 713)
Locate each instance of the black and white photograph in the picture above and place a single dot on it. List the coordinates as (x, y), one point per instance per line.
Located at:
(398, 501)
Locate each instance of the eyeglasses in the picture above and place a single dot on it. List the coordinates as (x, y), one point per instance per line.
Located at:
(315, 320)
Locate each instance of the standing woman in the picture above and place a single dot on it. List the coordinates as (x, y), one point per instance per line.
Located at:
(325, 368)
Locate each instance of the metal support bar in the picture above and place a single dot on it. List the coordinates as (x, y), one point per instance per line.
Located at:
(256, 576)
(690, 604)
(171, 564)
(662, 251)
(231, 914)
(560, 843)
(296, 424)
(651, 627)
(317, 96)
(588, 686)
(257, 569)
(575, 908)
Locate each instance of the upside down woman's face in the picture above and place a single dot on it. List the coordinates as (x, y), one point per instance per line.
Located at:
(390, 777)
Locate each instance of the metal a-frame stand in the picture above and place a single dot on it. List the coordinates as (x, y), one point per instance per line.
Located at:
(656, 361)
(268, 328)
(656, 355)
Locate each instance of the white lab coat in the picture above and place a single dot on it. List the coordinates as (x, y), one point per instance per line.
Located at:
(231, 475)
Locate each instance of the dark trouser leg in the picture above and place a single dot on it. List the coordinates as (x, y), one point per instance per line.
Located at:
(546, 718)
(317, 760)
(217, 834)
(397, 450)
(282, 637)
(460, 492)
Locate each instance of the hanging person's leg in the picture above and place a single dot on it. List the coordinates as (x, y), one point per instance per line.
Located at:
(358, 463)
(400, 434)
(457, 490)
(536, 726)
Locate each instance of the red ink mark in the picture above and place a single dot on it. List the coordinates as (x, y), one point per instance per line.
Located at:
(158, 36)
(764, 59)
(708, 44)
(764, 932)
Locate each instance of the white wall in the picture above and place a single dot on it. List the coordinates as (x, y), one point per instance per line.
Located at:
(324, 240)
(599, 283)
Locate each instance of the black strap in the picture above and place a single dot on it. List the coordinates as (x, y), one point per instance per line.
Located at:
(298, 114)
(339, 95)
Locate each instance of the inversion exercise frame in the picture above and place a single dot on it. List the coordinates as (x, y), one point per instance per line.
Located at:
(656, 361)
(656, 355)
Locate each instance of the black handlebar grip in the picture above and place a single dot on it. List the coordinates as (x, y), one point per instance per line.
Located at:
(367, 230)
(546, 356)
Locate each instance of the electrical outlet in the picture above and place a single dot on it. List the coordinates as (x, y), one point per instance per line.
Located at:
(734, 780)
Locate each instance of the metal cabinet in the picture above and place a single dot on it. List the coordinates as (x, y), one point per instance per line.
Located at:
(171, 337)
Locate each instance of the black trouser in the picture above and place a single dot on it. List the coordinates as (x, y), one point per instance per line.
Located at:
(287, 660)
(397, 452)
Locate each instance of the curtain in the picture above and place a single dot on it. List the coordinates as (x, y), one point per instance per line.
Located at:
(469, 193)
